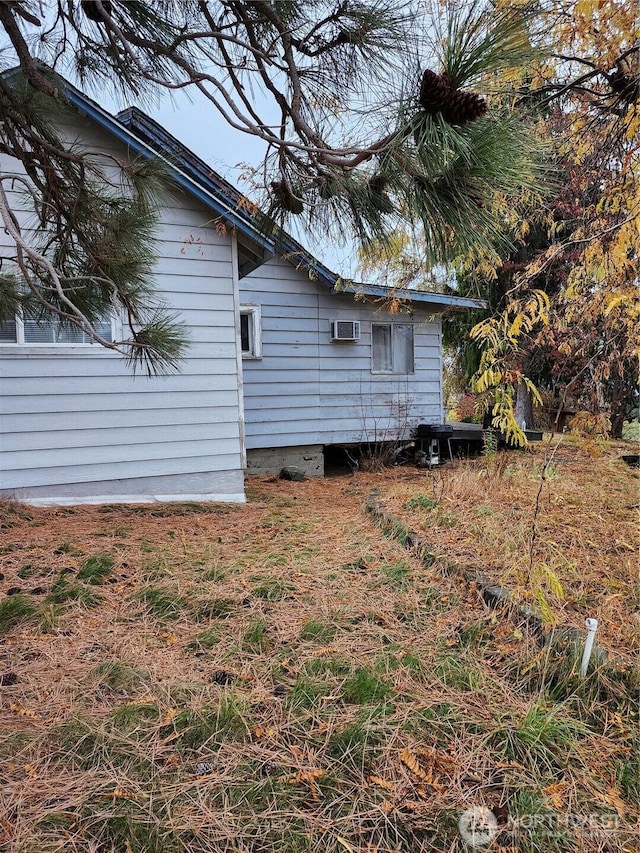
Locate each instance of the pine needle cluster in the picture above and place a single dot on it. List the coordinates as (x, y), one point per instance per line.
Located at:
(92, 251)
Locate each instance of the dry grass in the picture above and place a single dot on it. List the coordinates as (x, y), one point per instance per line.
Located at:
(481, 515)
(282, 677)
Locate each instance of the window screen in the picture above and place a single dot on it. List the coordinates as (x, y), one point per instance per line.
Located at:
(8, 332)
(245, 333)
(50, 331)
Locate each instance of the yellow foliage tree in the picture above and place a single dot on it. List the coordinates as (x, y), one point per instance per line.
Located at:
(585, 98)
(499, 375)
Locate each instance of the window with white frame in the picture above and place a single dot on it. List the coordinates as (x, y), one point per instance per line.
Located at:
(251, 331)
(49, 330)
(392, 348)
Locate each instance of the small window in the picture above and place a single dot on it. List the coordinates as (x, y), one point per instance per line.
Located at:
(392, 348)
(250, 331)
(49, 330)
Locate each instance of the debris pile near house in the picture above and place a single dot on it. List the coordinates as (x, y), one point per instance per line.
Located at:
(631, 459)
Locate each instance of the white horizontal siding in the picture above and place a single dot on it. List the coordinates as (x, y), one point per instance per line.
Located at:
(308, 390)
(110, 419)
(124, 438)
(99, 403)
(125, 453)
(114, 385)
(305, 417)
(190, 266)
(162, 466)
(78, 416)
(87, 364)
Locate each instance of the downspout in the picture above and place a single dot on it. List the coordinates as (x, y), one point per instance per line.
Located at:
(235, 279)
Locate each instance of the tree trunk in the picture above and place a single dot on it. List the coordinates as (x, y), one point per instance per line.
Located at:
(618, 406)
(524, 406)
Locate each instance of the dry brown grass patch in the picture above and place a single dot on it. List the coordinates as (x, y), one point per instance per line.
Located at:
(281, 676)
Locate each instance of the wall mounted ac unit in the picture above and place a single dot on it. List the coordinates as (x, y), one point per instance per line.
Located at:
(345, 330)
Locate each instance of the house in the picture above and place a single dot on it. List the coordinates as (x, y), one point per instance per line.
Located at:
(284, 358)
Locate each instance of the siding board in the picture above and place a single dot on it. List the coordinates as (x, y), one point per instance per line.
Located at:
(123, 436)
(116, 418)
(77, 415)
(97, 403)
(309, 390)
(84, 385)
(82, 365)
(108, 454)
(98, 472)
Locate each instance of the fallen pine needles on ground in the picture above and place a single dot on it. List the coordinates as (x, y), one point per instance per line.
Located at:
(282, 676)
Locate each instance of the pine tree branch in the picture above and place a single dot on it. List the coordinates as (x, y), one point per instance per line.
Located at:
(27, 61)
(40, 262)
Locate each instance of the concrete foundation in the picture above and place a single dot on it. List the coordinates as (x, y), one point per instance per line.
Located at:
(214, 486)
(270, 460)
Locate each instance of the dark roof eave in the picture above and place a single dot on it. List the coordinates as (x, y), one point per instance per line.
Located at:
(442, 300)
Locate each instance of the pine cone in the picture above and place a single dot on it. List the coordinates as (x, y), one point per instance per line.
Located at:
(463, 107)
(287, 199)
(91, 10)
(434, 92)
(221, 676)
(377, 185)
(455, 105)
(327, 187)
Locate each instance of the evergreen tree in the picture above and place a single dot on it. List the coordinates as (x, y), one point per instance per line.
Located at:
(377, 114)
